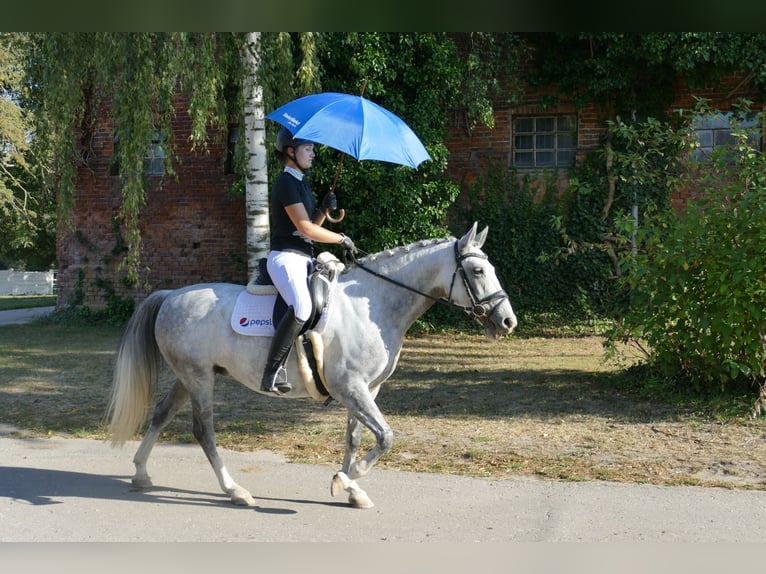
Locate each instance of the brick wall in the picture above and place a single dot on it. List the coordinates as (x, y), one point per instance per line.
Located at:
(192, 231)
(474, 152)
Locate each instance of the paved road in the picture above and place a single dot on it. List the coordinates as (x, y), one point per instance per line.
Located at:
(18, 316)
(79, 490)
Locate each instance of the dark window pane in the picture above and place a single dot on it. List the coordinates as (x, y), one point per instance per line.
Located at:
(545, 124)
(523, 142)
(523, 159)
(544, 158)
(525, 125)
(565, 140)
(705, 137)
(544, 141)
(723, 137)
(565, 158)
(567, 124)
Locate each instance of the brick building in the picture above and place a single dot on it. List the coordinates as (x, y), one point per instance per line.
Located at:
(193, 231)
(566, 130)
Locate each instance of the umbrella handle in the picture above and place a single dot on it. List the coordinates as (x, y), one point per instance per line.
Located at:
(342, 212)
(335, 219)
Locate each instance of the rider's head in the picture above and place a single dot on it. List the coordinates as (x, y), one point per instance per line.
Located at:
(293, 150)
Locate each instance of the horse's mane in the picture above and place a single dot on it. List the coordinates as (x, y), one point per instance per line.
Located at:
(401, 250)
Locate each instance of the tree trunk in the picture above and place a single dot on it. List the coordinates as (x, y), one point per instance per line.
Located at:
(611, 188)
(256, 178)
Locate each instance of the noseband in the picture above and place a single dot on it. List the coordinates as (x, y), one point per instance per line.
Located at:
(479, 309)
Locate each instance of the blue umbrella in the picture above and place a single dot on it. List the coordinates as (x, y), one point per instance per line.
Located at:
(352, 125)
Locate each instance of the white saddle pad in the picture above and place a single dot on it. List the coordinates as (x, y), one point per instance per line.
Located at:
(252, 314)
(254, 308)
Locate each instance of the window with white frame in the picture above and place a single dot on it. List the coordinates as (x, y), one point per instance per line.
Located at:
(154, 160)
(544, 141)
(714, 130)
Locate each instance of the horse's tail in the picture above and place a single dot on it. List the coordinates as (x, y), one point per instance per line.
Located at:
(136, 371)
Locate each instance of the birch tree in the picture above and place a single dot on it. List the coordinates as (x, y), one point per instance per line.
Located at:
(256, 171)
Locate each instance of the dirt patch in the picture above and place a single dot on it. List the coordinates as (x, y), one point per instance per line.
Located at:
(551, 408)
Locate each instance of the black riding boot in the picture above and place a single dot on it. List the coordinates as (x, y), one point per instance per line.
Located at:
(289, 328)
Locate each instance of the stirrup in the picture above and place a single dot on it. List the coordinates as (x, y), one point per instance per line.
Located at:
(278, 386)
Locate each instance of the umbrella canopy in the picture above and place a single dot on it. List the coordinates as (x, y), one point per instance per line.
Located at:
(353, 125)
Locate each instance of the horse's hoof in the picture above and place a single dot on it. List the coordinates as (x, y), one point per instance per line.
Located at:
(243, 500)
(360, 500)
(141, 482)
(241, 497)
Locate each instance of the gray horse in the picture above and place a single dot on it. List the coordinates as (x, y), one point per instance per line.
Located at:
(373, 304)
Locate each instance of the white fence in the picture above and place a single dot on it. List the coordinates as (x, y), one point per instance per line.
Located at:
(27, 282)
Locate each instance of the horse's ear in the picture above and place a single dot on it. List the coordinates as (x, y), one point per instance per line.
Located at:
(482, 237)
(468, 238)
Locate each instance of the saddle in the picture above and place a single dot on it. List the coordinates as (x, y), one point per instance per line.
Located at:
(323, 274)
(309, 347)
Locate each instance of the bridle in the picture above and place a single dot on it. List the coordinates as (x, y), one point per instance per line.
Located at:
(479, 309)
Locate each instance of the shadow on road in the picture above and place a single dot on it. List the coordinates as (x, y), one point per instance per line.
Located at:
(39, 486)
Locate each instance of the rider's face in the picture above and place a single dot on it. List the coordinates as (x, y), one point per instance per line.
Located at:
(304, 156)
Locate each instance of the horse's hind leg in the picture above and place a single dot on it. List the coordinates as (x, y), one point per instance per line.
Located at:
(204, 432)
(353, 441)
(164, 412)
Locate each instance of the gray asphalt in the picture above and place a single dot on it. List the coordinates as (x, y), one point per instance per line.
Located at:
(74, 490)
(19, 316)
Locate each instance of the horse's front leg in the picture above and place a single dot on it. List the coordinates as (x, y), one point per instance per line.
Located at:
(362, 411)
(204, 432)
(341, 482)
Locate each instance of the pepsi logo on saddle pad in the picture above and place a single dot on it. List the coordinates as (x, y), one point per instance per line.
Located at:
(252, 314)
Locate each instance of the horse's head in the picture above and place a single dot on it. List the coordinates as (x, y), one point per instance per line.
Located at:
(487, 302)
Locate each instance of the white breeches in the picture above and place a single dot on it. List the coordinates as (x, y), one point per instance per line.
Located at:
(290, 272)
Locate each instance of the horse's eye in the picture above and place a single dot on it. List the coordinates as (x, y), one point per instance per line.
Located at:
(478, 271)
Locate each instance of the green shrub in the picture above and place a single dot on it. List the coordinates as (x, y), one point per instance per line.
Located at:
(533, 232)
(697, 284)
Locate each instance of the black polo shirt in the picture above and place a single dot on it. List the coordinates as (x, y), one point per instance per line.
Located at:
(289, 190)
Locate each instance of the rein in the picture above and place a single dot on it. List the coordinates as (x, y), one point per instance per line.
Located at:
(478, 308)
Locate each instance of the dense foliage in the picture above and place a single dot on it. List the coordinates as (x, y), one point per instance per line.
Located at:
(697, 283)
(537, 243)
(638, 72)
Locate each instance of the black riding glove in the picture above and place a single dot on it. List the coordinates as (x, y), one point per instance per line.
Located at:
(329, 201)
(348, 245)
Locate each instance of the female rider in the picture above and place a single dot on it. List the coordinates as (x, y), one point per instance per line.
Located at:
(296, 222)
